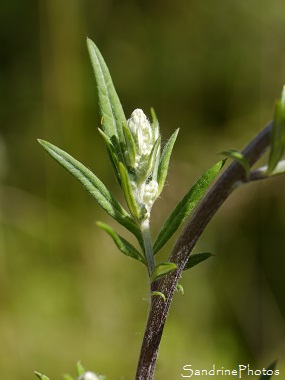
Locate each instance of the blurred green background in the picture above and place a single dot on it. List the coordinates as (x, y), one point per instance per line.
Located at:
(212, 68)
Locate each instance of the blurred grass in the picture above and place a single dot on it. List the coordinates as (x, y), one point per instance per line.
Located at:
(212, 68)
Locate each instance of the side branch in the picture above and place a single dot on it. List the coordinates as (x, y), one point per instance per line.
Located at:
(233, 176)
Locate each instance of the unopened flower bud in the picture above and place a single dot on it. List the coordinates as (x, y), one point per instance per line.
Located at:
(142, 154)
(89, 376)
(144, 137)
(150, 192)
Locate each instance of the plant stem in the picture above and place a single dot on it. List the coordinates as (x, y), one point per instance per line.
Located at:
(220, 191)
(262, 173)
(147, 246)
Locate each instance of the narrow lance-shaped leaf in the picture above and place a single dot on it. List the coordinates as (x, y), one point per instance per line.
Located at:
(93, 185)
(196, 259)
(110, 105)
(112, 153)
(184, 208)
(128, 191)
(159, 294)
(155, 126)
(277, 145)
(238, 157)
(161, 270)
(155, 123)
(131, 146)
(153, 116)
(124, 246)
(279, 168)
(153, 158)
(41, 376)
(179, 288)
(80, 369)
(67, 377)
(155, 168)
(164, 161)
(119, 148)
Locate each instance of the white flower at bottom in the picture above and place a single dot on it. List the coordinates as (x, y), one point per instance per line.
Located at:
(149, 194)
(89, 376)
(145, 195)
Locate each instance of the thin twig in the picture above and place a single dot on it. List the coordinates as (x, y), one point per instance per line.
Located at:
(220, 191)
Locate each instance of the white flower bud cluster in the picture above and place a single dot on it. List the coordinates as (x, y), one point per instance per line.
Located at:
(89, 376)
(144, 136)
(149, 194)
(145, 195)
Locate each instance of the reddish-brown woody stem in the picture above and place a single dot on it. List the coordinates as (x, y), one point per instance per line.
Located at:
(216, 196)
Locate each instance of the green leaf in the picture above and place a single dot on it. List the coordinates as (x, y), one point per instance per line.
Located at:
(124, 246)
(238, 157)
(41, 376)
(164, 161)
(271, 368)
(159, 294)
(186, 205)
(156, 162)
(79, 369)
(179, 288)
(93, 185)
(279, 169)
(128, 191)
(112, 153)
(153, 116)
(277, 145)
(155, 123)
(153, 158)
(110, 105)
(161, 270)
(197, 258)
(131, 146)
(67, 377)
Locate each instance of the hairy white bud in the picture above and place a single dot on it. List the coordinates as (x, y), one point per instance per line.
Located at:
(144, 137)
(89, 376)
(143, 154)
(141, 131)
(150, 192)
